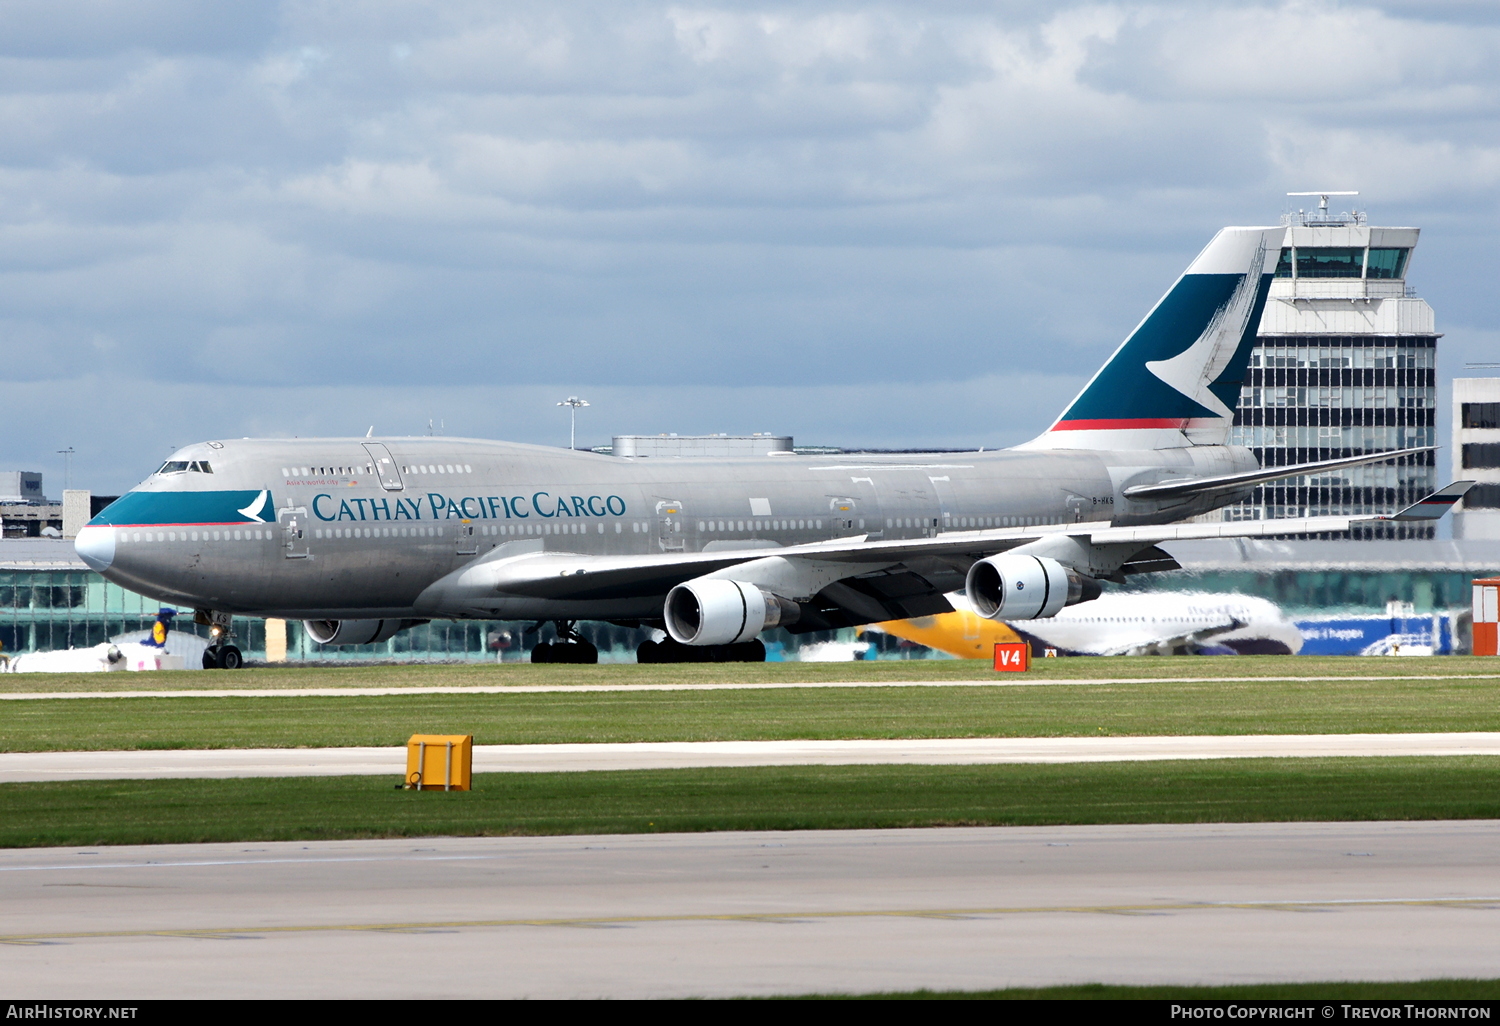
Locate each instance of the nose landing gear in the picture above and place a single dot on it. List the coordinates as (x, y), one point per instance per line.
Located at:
(223, 657)
(220, 654)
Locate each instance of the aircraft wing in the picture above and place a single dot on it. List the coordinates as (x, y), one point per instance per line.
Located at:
(859, 580)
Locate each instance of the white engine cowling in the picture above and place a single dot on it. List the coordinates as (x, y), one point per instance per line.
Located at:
(355, 632)
(709, 611)
(1012, 586)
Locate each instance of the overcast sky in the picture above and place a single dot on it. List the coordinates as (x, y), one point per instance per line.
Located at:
(876, 223)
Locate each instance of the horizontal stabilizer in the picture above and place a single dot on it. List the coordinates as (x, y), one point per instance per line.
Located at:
(1435, 505)
(1233, 482)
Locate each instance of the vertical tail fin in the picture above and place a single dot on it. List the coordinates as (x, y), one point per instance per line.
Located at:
(1175, 380)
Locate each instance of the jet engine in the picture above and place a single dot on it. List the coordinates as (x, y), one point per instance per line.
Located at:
(1012, 586)
(708, 611)
(355, 632)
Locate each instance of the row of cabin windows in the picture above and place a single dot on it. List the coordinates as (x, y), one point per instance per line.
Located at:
(762, 525)
(369, 468)
(170, 536)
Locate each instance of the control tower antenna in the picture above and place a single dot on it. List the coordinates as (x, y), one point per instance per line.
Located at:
(1323, 198)
(1322, 218)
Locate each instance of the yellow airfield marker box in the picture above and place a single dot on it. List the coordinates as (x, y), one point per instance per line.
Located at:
(440, 762)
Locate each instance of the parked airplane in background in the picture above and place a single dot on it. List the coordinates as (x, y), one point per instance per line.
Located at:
(1139, 623)
(361, 538)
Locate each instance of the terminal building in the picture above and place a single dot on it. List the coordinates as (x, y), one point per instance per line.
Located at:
(1345, 364)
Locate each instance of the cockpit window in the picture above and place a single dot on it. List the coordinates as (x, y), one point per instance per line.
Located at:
(203, 466)
(173, 467)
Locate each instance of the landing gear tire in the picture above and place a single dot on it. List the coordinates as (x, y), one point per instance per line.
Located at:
(211, 658)
(646, 652)
(230, 658)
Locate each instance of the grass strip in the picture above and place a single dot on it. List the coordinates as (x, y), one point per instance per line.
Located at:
(78, 813)
(1256, 707)
(1332, 990)
(360, 675)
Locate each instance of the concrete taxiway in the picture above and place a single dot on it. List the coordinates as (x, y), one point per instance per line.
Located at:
(754, 913)
(301, 762)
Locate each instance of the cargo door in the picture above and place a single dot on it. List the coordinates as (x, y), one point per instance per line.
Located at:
(669, 518)
(293, 521)
(384, 466)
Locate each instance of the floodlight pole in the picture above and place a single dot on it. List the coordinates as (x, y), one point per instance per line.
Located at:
(573, 403)
(67, 455)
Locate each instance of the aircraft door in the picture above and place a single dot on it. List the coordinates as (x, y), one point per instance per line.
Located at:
(844, 511)
(385, 466)
(946, 510)
(293, 521)
(468, 544)
(669, 518)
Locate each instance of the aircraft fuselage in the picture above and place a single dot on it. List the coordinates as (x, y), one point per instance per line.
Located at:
(313, 528)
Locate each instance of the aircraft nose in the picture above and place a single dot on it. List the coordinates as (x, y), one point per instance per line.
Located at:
(95, 545)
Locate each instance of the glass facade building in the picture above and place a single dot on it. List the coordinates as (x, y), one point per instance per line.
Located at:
(1345, 364)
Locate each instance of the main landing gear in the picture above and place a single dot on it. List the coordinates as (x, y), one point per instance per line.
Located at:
(220, 654)
(670, 651)
(568, 648)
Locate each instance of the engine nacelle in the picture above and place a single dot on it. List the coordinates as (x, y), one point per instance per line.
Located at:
(709, 611)
(355, 632)
(1012, 586)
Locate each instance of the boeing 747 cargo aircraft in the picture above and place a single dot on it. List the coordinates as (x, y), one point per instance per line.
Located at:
(364, 537)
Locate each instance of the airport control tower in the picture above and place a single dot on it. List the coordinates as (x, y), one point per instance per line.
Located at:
(1345, 363)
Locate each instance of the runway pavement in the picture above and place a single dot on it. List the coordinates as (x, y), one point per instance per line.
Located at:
(297, 762)
(998, 681)
(754, 913)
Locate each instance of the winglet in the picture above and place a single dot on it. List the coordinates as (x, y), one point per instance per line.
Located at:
(1435, 505)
